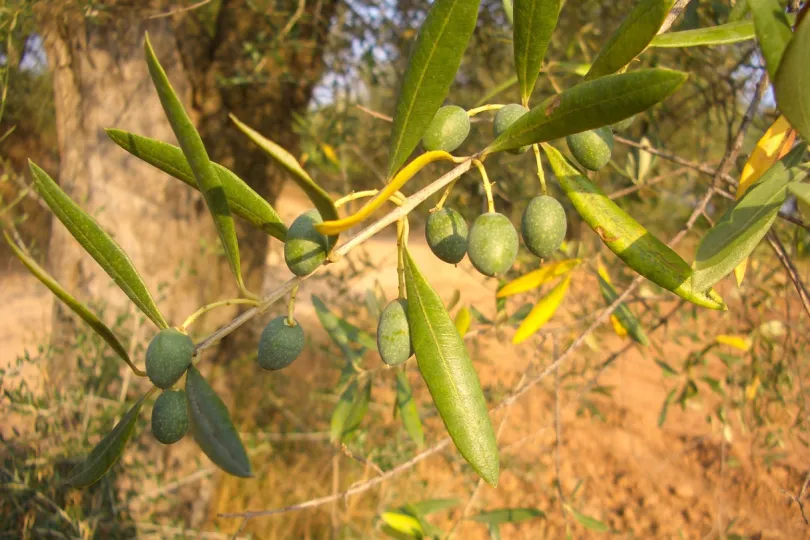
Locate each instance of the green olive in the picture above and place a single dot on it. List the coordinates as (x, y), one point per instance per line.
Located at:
(168, 357)
(394, 333)
(592, 149)
(305, 248)
(448, 129)
(446, 234)
(543, 225)
(492, 244)
(505, 117)
(280, 344)
(170, 417)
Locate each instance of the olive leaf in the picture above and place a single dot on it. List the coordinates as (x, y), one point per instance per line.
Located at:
(742, 227)
(77, 307)
(403, 523)
(430, 506)
(408, 411)
(542, 312)
(623, 313)
(509, 10)
(462, 320)
(588, 522)
(338, 331)
(432, 66)
(723, 34)
(213, 428)
(507, 515)
(793, 79)
(536, 278)
(631, 38)
(107, 253)
(319, 197)
(533, 27)
(106, 452)
(350, 410)
(242, 199)
(773, 32)
(626, 237)
(450, 375)
(801, 191)
(590, 105)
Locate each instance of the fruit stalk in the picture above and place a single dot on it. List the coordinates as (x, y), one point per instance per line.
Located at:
(221, 303)
(487, 185)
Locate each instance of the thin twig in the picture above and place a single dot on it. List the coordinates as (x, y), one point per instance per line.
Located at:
(781, 254)
(180, 10)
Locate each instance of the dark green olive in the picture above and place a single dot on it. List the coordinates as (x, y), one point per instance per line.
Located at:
(168, 357)
(280, 344)
(170, 416)
(543, 225)
(305, 248)
(448, 129)
(394, 333)
(505, 117)
(446, 234)
(592, 149)
(492, 244)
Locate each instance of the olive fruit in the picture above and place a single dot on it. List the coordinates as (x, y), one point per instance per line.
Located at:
(492, 244)
(168, 357)
(543, 225)
(305, 248)
(394, 333)
(505, 117)
(280, 344)
(592, 149)
(170, 417)
(446, 234)
(448, 129)
(622, 125)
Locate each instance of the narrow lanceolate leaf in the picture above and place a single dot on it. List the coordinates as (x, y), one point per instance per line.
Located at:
(337, 331)
(350, 411)
(107, 452)
(430, 506)
(542, 312)
(320, 198)
(724, 34)
(537, 278)
(773, 32)
(204, 172)
(432, 66)
(509, 9)
(631, 38)
(242, 200)
(463, 320)
(107, 253)
(801, 191)
(403, 523)
(450, 376)
(588, 522)
(77, 307)
(590, 105)
(626, 237)
(408, 411)
(741, 228)
(508, 515)
(793, 79)
(623, 313)
(742, 343)
(212, 427)
(533, 27)
(772, 146)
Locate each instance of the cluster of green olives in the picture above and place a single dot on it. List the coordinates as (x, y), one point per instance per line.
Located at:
(492, 241)
(168, 356)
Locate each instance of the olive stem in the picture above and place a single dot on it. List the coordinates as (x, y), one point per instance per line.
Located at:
(291, 307)
(540, 174)
(487, 185)
(402, 225)
(396, 198)
(484, 108)
(205, 309)
(446, 194)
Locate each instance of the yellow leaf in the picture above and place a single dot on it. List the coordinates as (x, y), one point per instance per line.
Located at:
(403, 523)
(620, 330)
(538, 277)
(463, 319)
(330, 154)
(742, 343)
(602, 271)
(751, 389)
(542, 312)
(771, 147)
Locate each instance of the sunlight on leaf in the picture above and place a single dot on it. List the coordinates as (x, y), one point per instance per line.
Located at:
(542, 312)
(537, 278)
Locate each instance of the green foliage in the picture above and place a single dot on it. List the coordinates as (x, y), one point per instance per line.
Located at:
(724, 34)
(350, 411)
(394, 333)
(305, 248)
(446, 234)
(280, 343)
(592, 149)
(448, 130)
(504, 118)
(408, 411)
(168, 356)
(626, 317)
(432, 66)
(533, 27)
(773, 32)
(792, 79)
(508, 515)
(543, 226)
(450, 376)
(170, 417)
(492, 244)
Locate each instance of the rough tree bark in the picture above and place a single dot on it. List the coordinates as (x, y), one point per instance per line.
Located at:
(100, 80)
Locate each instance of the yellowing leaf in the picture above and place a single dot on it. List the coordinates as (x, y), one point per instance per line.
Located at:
(538, 277)
(542, 312)
(773, 145)
(403, 523)
(620, 330)
(603, 273)
(751, 389)
(462, 321)
(330, 153)
(742, 343)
